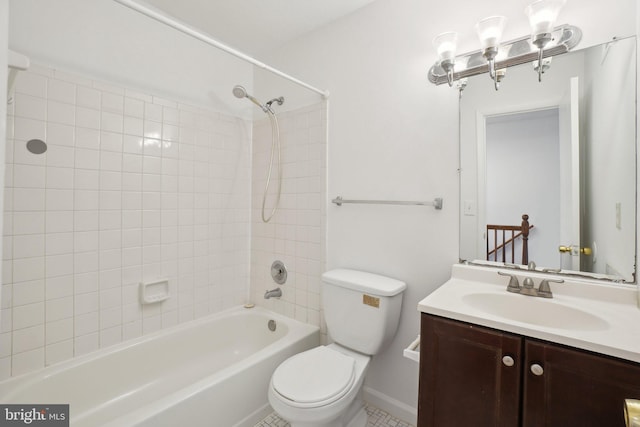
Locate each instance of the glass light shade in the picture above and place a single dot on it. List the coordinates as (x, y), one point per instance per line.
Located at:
(445, 45)
(542, 15)
(490, 31)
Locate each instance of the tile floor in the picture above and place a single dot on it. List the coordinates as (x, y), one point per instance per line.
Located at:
(377, 418)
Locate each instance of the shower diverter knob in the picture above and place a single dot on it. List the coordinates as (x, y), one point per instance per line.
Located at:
(279, 272)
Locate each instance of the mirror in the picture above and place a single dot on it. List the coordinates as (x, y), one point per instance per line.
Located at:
(563, 152)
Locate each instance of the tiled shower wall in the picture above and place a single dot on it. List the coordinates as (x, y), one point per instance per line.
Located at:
(132, 188)
(296, 234)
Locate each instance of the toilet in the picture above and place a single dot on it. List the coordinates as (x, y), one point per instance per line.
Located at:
(322, 387)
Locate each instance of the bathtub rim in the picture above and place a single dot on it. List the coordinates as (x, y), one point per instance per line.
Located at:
(9, 386)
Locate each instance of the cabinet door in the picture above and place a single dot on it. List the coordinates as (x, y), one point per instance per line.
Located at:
(463, 379)
(575, 388)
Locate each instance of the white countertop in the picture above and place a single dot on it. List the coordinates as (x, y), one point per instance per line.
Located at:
(616, 332)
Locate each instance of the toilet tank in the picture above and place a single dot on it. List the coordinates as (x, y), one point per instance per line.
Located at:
(361, 309)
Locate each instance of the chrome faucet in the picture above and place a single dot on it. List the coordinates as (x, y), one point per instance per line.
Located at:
(528, 288)
(277, 293)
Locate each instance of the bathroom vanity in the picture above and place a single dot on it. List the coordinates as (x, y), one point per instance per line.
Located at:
(489, 357)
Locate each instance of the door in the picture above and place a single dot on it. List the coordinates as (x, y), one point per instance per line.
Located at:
(469, 375)
(570, 200)
(575, 388)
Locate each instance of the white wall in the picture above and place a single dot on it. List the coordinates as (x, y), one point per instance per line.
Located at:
(106, 40)
(392, 135)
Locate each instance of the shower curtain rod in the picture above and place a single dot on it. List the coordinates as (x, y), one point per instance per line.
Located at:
(213, 42)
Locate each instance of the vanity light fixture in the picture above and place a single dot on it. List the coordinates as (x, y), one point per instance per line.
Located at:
(494, 57)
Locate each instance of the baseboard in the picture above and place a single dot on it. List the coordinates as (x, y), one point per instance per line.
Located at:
(388, 404)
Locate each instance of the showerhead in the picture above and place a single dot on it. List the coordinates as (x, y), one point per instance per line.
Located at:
(239, 91)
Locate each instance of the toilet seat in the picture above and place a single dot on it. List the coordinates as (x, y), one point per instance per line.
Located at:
(314, 378)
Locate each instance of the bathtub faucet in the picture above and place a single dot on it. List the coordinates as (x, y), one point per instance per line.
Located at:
(277, 292)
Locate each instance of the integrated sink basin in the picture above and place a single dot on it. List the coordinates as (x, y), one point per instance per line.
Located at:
(534, 311)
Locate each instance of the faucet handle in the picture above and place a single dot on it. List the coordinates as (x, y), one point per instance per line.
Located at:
(513, 285)
(544, 290)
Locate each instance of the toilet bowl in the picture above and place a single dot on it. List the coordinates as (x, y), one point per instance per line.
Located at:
(320, 387)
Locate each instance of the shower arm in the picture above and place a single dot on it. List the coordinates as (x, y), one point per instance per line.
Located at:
(215, 43)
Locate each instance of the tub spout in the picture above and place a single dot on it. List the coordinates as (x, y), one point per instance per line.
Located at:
(277, 292)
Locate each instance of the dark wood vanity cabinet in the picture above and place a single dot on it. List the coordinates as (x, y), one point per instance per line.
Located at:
(476, 376)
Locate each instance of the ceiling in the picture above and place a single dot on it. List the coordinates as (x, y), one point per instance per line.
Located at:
(256, 26)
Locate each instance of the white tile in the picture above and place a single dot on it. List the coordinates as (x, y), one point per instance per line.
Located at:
(111, 122)
(86, 344)
(86, 199)
(59, 221)
(28, 222)
(88, 97)
(131, 181)
(110, 317)
(58, 243)
(110, 259)
(26, 129)
(59, 287)
(28, 246)
(31, 84)
(5, 344)
(59, 200)
(133, 126)
(112, 103)
(86, 303)
(58, 352)
(111, 141)
(131, 237)
(87, 138)
(110, 200)
(86, 241)
(111, 181)
(152, 164)
(87, 118)
(110, 220)
(152, 146)
(131, 219)
(61, 91)
(86, 282)
(153, 112)
(131, 200)
(60, 156)
(58, 112)
(87, 159)
(28, 199)
(86, 179)
(133, 107)
(85, 262)
(59, 330)
(86, 323)
(132, 144)
(27, 269)
(59, 265)
(110, 336)
(86, 221)
(30, 107)
(60, 178)
(28, 292)
(59, 308)
(27, 361)
(28, 339)
(28, 315)
(110, 278)
(151, 182)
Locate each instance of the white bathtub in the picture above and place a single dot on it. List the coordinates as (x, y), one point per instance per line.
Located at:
(211, 372)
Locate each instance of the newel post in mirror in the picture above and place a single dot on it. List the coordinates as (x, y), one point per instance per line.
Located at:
(525, 239)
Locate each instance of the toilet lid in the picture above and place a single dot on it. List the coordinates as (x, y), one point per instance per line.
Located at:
(320, 375)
